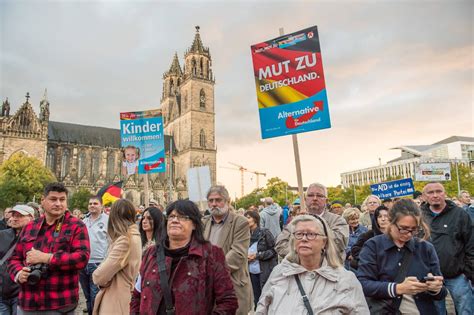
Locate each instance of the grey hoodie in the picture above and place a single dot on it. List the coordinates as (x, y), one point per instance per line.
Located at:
(270, 219)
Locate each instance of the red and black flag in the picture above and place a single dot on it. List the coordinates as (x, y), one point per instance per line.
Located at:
(110, 192)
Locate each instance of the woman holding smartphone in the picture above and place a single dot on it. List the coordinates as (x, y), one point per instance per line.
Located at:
(399, 272)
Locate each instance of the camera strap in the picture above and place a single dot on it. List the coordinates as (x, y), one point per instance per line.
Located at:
(166, 290)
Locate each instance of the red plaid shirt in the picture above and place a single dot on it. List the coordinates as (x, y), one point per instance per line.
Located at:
(71, 250)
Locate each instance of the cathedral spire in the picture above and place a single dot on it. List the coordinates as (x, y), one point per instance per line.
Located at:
(197, 47)
(45, 96)
(175, 68)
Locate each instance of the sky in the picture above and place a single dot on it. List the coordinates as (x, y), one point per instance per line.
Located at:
(397, 72)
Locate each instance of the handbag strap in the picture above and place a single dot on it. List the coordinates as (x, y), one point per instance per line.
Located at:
(170, 310)
(303, 294)
(9, 253)
(402, 272)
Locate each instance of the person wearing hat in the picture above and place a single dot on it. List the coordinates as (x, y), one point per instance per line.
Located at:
(336, 207)
(20, 216)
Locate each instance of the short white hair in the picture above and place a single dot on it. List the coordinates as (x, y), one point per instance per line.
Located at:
(318, 185)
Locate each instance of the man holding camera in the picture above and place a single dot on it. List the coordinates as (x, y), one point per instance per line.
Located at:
(48, 257)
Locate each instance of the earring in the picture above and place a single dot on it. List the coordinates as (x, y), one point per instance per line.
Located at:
(323, 251)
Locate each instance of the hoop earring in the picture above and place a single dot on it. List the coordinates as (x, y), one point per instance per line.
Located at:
(323, 251)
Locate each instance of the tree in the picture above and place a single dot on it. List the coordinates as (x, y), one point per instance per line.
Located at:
(275, 188)
(80, 199)
(22, 179)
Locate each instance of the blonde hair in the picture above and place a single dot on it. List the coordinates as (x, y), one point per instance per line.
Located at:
(330, 252)
(351, 213)
(364, 204)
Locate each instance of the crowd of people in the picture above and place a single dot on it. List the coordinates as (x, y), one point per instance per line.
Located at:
(403, 256)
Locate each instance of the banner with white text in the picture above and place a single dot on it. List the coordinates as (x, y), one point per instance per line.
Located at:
(142, 140)
(289, 78)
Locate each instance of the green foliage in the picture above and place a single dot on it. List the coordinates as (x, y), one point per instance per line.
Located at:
(22, 178)
(80, 199)
(275, 188)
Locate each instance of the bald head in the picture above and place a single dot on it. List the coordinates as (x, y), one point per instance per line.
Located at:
(435, 195)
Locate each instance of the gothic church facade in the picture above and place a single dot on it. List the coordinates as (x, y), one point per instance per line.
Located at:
(90, 156)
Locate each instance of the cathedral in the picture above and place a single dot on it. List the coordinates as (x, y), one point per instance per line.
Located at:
(90, 156)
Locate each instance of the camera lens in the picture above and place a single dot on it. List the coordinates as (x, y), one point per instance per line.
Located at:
(34, 277)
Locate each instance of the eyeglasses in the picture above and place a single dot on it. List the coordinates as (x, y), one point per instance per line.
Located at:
(309, 235)
(403, 230)
(372, 203)
(319, 196)
(217, 200)
(179, 217)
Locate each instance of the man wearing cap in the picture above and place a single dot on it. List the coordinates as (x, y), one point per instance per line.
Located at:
(20, 216)
(316, 201)
(336, 207)
(96, 224)
(56, 246)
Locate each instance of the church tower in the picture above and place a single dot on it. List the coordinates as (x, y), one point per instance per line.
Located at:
(188, 110)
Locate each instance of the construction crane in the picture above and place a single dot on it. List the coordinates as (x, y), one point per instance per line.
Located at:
(242, 170)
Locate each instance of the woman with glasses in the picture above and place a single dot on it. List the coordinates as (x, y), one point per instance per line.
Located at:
(379, 226)
(399, 272)
(151, 227)
(194, 274)
(311, 279)
(369, 205)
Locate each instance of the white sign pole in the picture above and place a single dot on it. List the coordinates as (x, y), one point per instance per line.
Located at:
(297, 159)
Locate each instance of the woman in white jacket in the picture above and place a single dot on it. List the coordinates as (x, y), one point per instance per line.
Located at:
(313, 261)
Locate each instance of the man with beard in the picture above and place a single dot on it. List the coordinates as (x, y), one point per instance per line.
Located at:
(230, 232)
(316, 201)
(453, 239)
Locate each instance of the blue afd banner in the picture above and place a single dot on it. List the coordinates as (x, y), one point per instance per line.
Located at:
(143, 147)
(393, 189)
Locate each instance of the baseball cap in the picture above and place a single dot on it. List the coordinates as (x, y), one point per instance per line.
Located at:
(24, 210)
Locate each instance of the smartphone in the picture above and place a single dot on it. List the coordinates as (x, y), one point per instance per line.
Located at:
(427, 278)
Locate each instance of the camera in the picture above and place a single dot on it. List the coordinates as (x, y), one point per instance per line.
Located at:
(37, 271)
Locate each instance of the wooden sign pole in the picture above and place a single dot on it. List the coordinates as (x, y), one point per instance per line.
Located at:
(297, 159)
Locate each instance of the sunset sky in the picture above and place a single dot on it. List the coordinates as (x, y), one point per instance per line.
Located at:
(397, 72)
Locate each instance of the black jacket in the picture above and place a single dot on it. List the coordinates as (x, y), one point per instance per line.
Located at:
(266, 253)
(453, 238)
(8, 288)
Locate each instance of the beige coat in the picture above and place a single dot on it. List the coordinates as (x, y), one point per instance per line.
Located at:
(116, 282)
(329, 290)
(234, 241)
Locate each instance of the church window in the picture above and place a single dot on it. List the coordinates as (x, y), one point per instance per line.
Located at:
(185, 103)
(171, 86)
(202, 99)
(202, 139)
(51, 159)
(81, 164)
(201, 66)
(95, 164)
(111, 165)
(65, 163)
(193, 66)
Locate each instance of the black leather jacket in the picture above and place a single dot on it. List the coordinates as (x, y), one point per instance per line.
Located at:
(8, 288)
